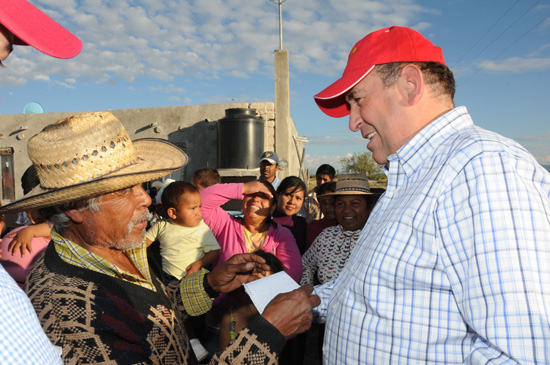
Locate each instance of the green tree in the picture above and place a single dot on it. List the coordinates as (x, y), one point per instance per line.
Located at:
(363, 163)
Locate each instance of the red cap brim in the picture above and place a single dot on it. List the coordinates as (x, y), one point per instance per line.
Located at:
(332, 100)
(34, 28)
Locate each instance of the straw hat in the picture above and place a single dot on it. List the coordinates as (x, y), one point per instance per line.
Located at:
(352, 184)
(89, 155)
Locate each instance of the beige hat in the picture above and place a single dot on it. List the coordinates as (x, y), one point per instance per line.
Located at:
(352, 184)
(91, 154)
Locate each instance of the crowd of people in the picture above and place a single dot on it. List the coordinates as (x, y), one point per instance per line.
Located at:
(448, 265)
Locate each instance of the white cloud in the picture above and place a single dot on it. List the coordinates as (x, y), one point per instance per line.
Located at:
(517, 64)
(163, 40)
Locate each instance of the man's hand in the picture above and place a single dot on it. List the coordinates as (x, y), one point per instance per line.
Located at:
(290, 312)
(236, 271)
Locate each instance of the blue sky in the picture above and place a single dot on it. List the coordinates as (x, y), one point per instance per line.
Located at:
(151, 53)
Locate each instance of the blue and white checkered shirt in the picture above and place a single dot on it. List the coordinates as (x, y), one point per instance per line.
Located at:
(22, 340)
(453, 265)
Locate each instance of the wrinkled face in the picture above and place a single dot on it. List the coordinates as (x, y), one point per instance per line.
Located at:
(326, 203)
(121, 220)
(6, 42)
(188, 212)
(268, 170)
(351, 211)
(290, 202)
(373, 112)
(322, 178)
(258, 205)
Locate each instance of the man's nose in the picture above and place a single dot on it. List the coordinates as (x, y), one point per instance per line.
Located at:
(355, 120)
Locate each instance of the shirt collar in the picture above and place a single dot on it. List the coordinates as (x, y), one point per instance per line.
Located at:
(77, 255)
(422, 146)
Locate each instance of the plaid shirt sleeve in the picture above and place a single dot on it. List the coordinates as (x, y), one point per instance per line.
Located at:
(194, 298)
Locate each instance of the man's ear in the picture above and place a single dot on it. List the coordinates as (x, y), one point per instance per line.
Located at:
(411, 84)
(76, 215)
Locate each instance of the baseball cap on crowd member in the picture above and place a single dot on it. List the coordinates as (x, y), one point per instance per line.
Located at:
(32, 27)
(91, 154)
(270, 156)
(388, 45)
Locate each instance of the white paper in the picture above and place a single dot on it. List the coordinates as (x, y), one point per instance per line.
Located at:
(262, 291)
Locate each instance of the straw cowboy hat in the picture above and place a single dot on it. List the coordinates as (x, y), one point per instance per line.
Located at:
(352, 184)
(91, 154)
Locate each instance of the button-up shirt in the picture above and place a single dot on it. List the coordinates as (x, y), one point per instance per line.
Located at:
(453, 265)
(22, 340)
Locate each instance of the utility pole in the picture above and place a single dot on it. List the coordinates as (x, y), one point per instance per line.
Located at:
(280, 3)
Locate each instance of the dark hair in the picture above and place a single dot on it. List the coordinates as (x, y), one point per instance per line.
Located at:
(326, 169)
(29, 179)
(326, 187)
(437, 75)
(289, 182)
(271, 260)
(207, 176)
(172, 193)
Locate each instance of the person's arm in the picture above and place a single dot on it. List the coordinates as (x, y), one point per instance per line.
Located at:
(495, 244)
(309, 263)
(206, 260)
(23, 340)
(213, 197)
(324, 292)
(263, 339)
(287, 252)
(22, 240)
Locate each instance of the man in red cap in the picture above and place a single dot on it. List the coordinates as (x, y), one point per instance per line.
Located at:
(453, 263)
(22, 340)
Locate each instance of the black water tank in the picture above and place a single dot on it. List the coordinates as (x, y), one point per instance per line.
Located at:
(240, 139)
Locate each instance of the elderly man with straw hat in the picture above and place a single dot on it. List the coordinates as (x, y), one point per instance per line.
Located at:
(95, 291)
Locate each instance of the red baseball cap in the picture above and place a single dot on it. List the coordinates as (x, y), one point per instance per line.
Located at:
(32, 27)
(393, 44)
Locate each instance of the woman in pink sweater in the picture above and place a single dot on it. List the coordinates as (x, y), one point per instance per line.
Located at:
(255, 230)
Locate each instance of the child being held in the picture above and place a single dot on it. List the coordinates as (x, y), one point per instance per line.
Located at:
(241, 314)
(186, 242)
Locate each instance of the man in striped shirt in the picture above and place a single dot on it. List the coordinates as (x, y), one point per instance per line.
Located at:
(453, 265)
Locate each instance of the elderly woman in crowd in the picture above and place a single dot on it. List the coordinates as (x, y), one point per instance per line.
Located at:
(290, 198)
(330, 251)
(254, 231)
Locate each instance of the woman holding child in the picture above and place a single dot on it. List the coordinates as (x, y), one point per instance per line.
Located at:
(255, 230)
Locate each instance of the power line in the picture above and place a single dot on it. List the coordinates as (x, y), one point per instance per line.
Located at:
(484, 34)
(507, 48)
(497, 38)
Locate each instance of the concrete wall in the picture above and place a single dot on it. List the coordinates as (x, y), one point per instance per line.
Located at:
(193, 128)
